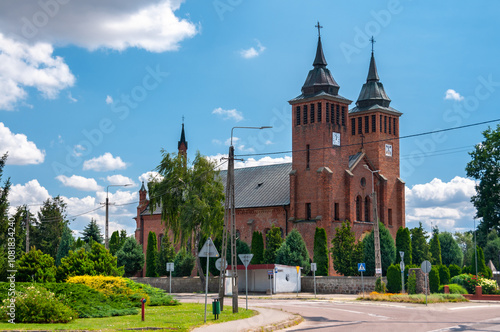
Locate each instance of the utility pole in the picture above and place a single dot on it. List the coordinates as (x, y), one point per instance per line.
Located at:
(376, 233)
(27, 224)
(106, 232)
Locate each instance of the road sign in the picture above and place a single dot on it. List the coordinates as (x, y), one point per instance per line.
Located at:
(361, 267)
(269, 272)
(170, 267)
(245, 258)
(402, 254)
(218, 264)
(208, 249)
(378, 271)
(275, 270)
(314, 267)
(298, 268)
(426, 267)
(402, 266)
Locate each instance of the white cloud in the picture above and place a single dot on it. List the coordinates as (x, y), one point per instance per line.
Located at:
(109, 99)
(250, 162)
(443, 204)
(253, 52)
(120, 179)
(21, 151)
(216, 141)
(31, 193)
(70, 97)
(106, 162)
(78, 150)
(453, 95)
(93, 24)
(229, 114)
(30, 66)
(79, 182)
(150, 176)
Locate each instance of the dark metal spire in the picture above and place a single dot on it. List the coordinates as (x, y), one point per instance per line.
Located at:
(319, 61)
(183, 137)
(372, 72)
(143, 188)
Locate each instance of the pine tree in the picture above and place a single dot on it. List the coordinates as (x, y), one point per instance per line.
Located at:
(130, 256)
(67, 242)
(166, 255)
(435, 248)
(403, 243)
(321, 252)
(47, 231)
(257, 248)
(387, 250)
(293, 252)
(151, 256)
(92, 232)
(346, 253)
(274, 241)
(419, 246)
(450, 251)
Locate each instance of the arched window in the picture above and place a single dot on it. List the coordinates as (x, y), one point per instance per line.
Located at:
(367, 208)
(358, 208)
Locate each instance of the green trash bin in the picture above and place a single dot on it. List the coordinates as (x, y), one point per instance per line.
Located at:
(216, 308)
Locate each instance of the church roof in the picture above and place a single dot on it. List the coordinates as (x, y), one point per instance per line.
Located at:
(261, 186)
(183, 139)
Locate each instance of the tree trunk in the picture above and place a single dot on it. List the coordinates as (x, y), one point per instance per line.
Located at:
(198, 262)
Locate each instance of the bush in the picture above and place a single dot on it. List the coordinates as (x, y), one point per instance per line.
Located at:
(394, 279)
(36, 266)
(454, 289)
(434, 280)
(454, 270)
(466, 280)
(293, 252)
(157, 296)
(488, 286)
(380, 286)
(412, 283)
(130, 256)
(37, 305)
(444, 275)
(183, 263)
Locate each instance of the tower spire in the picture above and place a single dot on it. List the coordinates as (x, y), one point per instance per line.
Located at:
(319, 60)
(182, 145)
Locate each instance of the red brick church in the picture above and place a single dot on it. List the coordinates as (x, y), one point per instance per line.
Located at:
(335, 152)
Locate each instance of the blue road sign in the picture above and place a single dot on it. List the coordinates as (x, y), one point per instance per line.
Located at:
(361, 267)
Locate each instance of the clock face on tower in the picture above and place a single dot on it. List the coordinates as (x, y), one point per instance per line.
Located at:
(335, 139)
(388, 150)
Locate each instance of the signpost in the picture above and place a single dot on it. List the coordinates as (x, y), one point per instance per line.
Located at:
(208, 250)
(170, 267)
(402, 267)
(314, 268)
(298, 271)
(426, 268)
(362, 268)
(269, 275)
(245, 259)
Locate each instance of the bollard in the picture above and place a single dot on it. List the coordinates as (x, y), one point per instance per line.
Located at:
(143, 302)
(216, 308)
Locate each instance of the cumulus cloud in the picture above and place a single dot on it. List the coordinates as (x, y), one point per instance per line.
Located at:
(443, 204)
(120, 179)
(106, 162)
(218, 159)
(21, 151)
(151, 24)
(253, 52)
(79, 182)
(150, 176)
(453, 95)
(229, 114)
(30, 66)
(31, 193)
(71, 98)
(109, 99)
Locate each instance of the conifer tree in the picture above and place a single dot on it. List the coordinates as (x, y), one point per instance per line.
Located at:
(435, 248)
(403, 243)
(67, 242)
(321, 252)
(419, 246)
(130, 256)
(387, 250)
(346, 253)
(257, 248)
(151, 255)
(274, 241)
(293, 252)
(166, 255)
(92, 232)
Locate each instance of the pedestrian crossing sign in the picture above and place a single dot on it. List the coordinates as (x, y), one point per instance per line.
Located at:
(361, 267)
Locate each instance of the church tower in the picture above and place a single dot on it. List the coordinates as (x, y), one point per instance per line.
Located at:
(319, 130)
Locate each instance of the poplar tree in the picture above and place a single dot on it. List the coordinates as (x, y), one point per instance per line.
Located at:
(419, 246)
(151, 255)
(274, 241)
(321, 252)
(403, 243)
(257, 248)
(435, 248)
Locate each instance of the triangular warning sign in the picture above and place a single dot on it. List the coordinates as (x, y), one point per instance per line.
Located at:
(208, 249)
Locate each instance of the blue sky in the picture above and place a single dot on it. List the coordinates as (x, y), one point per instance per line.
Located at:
(90, 92)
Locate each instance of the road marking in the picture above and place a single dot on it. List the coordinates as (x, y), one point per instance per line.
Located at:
(474, 307)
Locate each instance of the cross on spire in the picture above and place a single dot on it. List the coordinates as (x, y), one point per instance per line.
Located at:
(319, 27)
(183, 119)
(373, 42)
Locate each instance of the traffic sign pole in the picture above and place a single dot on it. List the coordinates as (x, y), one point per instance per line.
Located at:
(362, 268)
(245, 259)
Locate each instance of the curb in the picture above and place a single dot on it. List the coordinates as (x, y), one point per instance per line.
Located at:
(296, 320)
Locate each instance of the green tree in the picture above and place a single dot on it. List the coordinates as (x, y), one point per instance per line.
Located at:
(293, 252)
(450, 251)
(130, 256)
(346, 253)
(274, 241)
(435, 247)
(18, 222)
(36, 266)
(481, 265)
(104, 263)
(166, 255)
(466, 243)
(116, 241)
(403, 243)
(191, 199)
(257, 248)
(4, 221)
(151, 255)
(387, 250)
(321, 252)
(394, 279)
(454, 270)
(419, 246)
(434, 281)
(183, 263)
(492, 249)
(67, 242)
(92, 232)
(484, 168)
(444, 274)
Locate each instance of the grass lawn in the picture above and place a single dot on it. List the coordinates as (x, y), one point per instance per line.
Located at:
(172, 318)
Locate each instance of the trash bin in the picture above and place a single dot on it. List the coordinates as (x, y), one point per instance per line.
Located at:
(216, 308)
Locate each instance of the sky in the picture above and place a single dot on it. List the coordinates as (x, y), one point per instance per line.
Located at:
(92, 91)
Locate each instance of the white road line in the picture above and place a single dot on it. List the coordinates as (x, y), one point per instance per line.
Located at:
(475, 307)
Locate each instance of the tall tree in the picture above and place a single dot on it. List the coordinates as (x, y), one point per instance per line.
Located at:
(257, 248)
(274, 241)
(484, 167)
(152, 255)
(387, 250)
(67, 242)
(191, 199)
(321, 252)
(130, 256)
(466, 243)
(116, 241)
(492, 249)
(419, 246)
(166, 255)
(435, 247)
(346, 253)
(450, 251)
(293, 252)
(4, 221)
(403, 243)
(92, 232)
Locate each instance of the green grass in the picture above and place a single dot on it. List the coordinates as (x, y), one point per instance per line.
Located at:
(414, 298)
(172, 318)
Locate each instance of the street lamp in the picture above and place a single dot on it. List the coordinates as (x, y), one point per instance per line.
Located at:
(376, 234)
(230, 222)
(106, 240)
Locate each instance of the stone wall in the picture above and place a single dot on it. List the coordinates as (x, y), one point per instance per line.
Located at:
(420, 289)
(181, 284)
(339, 285)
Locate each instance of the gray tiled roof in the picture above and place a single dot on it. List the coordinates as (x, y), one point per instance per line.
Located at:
(375, 108)
(261, 186)
(354, 158)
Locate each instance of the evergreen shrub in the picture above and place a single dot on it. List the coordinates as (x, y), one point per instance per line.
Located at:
(394, 279)
(434, 280)
(454, 289)
(412, 283)
(380, 286)
(444, 274)
(454, 270)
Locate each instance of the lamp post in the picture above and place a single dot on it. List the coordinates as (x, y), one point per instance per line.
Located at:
(475, 245)
(376, 234)
(230, 223)
(106, 232)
